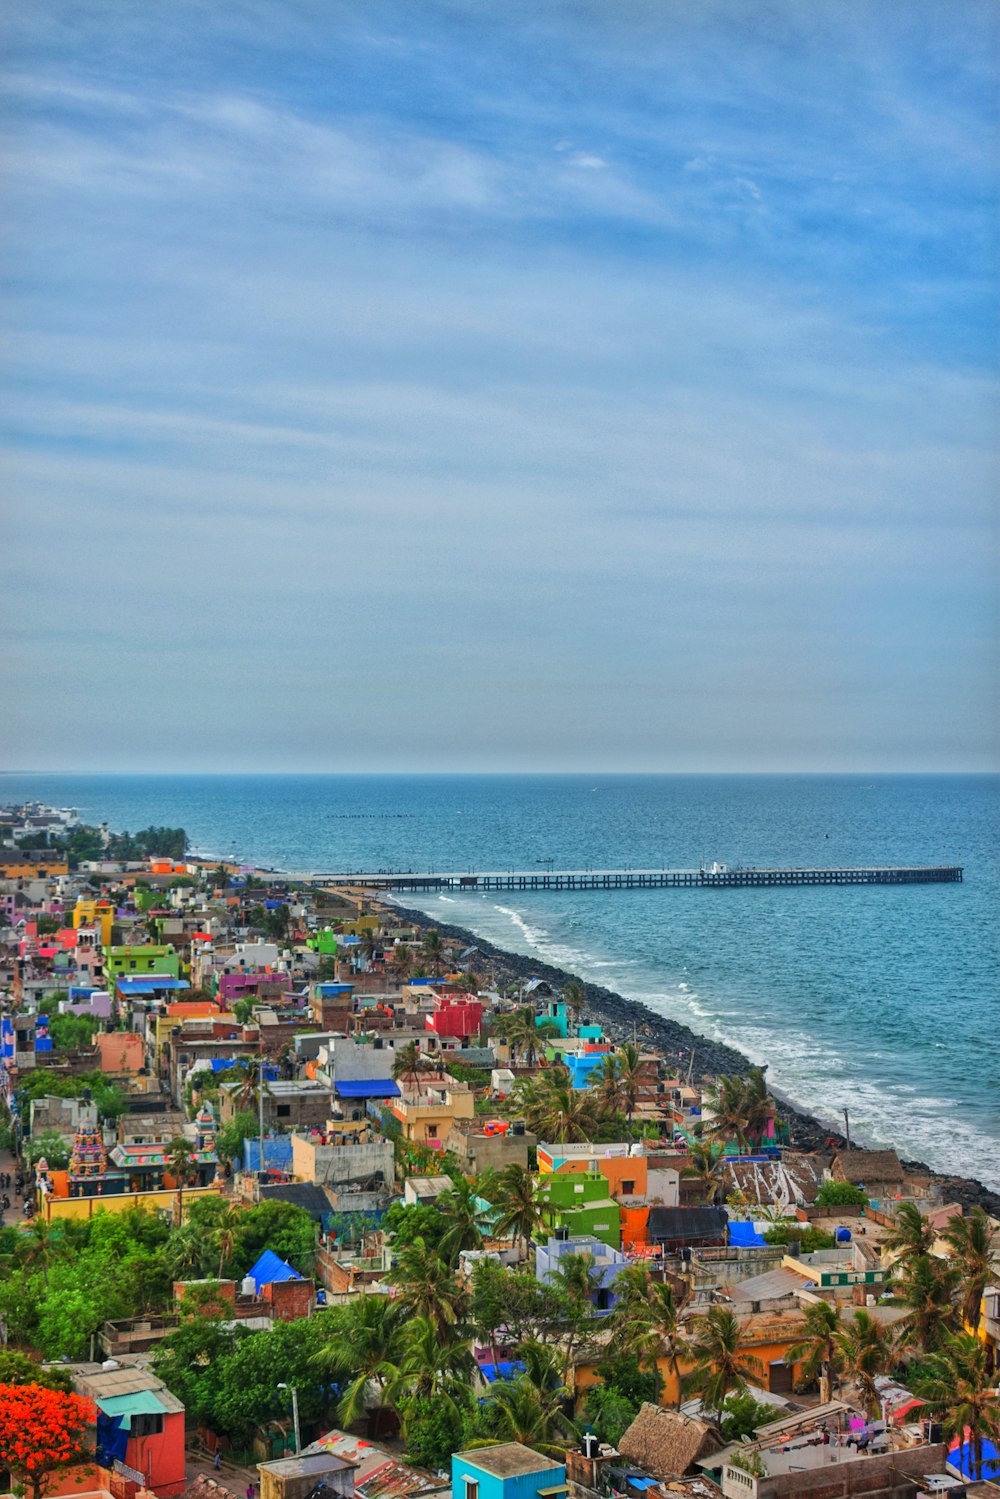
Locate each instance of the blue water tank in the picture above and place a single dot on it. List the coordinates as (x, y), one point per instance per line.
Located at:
(843, 1236)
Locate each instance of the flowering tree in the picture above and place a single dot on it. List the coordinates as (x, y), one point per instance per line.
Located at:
(42, 1431)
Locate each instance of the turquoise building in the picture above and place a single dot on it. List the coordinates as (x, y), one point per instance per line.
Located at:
(507, 1471)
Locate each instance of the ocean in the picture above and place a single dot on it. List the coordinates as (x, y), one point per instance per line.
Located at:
(881, 1000)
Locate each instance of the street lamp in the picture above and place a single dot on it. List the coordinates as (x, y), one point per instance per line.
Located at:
(295, 1414)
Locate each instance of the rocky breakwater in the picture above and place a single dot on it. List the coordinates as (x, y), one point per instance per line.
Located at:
(627, 1019)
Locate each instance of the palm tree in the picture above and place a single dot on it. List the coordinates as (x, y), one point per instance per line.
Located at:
(719, 1363)
(606, 1081)
(576, 1279)
(181, 1168)
(186, 1253)
(866, 1351)
(460, 1206)
(572, 997)
(956, 1384)
(646, 1320)
(362, 1344)
(369, 946)
(629, 1068)
(926, 1289)
(516, 1197)
(426, 1287)
(727, 1100)
(522, 1412)
(408, 1062)
(426, 1365)
(433, 949)
(403, 959)
(758, 1106)
(557, 1111)
(817, 1349)
(705, 1162)
(224, 1235)
(975, 1248)
(911, 1236)
(36, 1246)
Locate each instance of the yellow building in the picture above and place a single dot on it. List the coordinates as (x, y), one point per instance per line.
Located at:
(99, 913)
(58, 1209)
(429, 1105)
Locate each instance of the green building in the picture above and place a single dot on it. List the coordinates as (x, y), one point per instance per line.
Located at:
(581, 1204)
(140, 961)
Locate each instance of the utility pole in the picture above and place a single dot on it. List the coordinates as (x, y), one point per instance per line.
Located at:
(260, 1107)
(295, 1414)
(847, 1129)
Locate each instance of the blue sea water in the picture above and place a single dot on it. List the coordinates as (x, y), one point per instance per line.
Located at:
(881, 1000)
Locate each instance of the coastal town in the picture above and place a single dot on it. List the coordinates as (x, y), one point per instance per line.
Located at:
(304, 1196)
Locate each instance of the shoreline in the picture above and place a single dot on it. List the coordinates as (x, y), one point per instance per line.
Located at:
(622, 1017)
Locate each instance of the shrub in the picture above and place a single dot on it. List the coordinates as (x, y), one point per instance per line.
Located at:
(840, 1195)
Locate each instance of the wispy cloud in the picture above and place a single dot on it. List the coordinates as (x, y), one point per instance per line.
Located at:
(652, 344)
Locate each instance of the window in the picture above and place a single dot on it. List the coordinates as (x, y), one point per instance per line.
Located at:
(284, 1110)
(432, 1134)
(628, 1188)
(145, 1425)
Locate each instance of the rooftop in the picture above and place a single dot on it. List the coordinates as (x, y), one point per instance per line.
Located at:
(508, 1460)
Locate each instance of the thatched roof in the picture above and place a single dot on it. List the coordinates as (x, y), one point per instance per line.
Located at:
(865, 1166)
(666, 1444)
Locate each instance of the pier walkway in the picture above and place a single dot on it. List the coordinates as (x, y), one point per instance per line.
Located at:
(715, 877)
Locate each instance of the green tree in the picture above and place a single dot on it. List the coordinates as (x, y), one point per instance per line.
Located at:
(743, 1416)
(646, 1320)
(522, 1411)
(463, 1219)
(975, 1251)
(956, 1383)
(719, 1363)
(705, 1162)
(613, 1405)
(515, 1195)
(910, 1237)
(432, 948)
(841, 1194)
(426, 1287)
(18, 1368)
(817, 1350)
(359, 1348)
(229, 1140)
(865, 1350)
(51, 1146)
(191, 1362)
(926, 1288)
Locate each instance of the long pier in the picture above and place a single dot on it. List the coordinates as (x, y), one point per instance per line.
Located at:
(716, 877)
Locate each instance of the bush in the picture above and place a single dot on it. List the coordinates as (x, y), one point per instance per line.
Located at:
(808, 1238)
(841, 1195)
(742, 1415)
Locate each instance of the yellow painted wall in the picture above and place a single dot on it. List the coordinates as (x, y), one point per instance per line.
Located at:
(767, 1353)
(57, 1209)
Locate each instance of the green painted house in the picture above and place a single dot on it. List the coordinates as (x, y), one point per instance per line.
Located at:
(140, 961)
(581, 1205)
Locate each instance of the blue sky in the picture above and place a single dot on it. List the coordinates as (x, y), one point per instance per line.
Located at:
(500, 386)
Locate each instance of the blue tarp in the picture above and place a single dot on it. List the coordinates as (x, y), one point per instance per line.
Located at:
(962, 1458)
(270, 1268)
(508, 1369)
(226, 1064)
(367, 1088)
(744, 1235)
(150, 985)
(277, 1153)
(112, 1438)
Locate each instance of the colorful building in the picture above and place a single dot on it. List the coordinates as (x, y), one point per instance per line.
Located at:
(140, 1427)
(506, 1471)
(460, 1016)
(626, 1174)
(580, 1205)
(141, 961)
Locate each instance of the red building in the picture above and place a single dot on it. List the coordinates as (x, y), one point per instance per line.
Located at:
(461, 1016)
(140, 1424)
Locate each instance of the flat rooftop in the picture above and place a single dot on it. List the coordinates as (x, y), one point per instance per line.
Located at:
(507, 1460)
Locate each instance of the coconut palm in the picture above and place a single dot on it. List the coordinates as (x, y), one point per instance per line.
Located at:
(408, 1062)
(911, 1236)
(403, 960)
(225, 1234)
(369, 947)
(926, 1289)
(572, 997)
(705, 1162)
(432, 949)
(975, 1249)
(426, 1366)
(607, 1084)
(720, 1365)
(362, 1345)
(36, 1246)
(564, 1114)
(577, 1279)
(519, 1411)
(186, 1258)
(523, 1033)
(181, 1168)
(515, 1195)
(646, 1320)
(866, 1351)
(817, 1351)
(426, 1287)
(956, 1384)
(758, 1107)
(461, 1207)
(725, 1099)
(629, 1068)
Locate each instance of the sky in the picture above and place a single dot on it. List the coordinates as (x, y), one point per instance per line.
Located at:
(535, 385)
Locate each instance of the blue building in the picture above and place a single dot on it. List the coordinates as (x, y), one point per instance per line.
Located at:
(506, 1471)
(608, 1265)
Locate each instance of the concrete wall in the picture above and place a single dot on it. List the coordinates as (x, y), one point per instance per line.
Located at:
(877, 1477)
(338, 1165)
